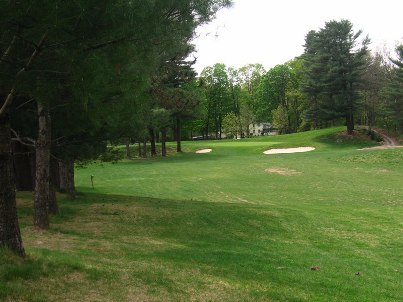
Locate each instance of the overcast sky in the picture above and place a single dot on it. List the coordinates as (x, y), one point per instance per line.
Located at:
(273, 32)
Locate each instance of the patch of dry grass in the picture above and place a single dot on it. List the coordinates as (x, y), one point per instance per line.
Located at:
(283, 171)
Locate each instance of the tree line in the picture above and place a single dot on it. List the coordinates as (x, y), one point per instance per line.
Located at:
(337, 80)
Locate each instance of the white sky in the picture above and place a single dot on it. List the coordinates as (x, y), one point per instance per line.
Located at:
(273, 32)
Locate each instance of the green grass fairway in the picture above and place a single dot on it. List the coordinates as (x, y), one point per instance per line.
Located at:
(230, 225)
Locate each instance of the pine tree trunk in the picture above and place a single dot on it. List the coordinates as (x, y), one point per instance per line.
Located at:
(55, 173)
(70, 185)
(10, 235)
(53, 207)
(163, 142)
(350, 122)
(41, 200)
(178, 135)
(350, 111)
(62, 177)
(152, 141)
(67, 184)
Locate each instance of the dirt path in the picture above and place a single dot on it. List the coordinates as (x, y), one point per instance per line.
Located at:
(387, 140)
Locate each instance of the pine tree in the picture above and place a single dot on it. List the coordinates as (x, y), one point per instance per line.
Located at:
(394, 92)
(335, 60)
(54, 50)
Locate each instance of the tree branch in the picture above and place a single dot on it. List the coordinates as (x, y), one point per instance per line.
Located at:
(23, 104)
(12, 94)
(26, 141)
(112, 42)
(97, 46)
(8, 50)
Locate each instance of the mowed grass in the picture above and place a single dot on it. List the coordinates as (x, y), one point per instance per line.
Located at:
(231, 225)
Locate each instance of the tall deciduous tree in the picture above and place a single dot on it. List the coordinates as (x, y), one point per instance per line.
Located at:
(216, 83)
(273, 92)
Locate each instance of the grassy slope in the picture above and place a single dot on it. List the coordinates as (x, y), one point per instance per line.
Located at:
(218, 227)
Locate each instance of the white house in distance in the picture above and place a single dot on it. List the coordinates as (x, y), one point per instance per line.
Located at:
(259, 129)
(255, 129)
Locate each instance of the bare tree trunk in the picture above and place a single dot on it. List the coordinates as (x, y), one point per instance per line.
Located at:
(152, 141)
(178, 135)
(207, 129)
(41, 200)
(220, 125)
(10, 235)
(163, 142)
(139, 146)
(145, 147)
(315, 118)
(128, 152)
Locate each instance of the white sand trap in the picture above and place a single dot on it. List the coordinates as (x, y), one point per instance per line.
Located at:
(204, 151)
(289, 150)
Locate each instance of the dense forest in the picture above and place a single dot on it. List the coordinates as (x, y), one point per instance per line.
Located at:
(76, 77)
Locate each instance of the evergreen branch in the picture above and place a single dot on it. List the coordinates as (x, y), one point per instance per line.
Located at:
(112, 42)
(51, 71)
(13, 92)
(23, 104)
(104, 44)
(8, 50)
(55, 157)
(59, 44)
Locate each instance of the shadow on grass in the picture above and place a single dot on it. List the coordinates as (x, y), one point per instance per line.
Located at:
(220, 239)
(178, 158)
(216, 238)
(16, 273)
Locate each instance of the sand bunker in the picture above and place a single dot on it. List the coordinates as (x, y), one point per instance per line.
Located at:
(204, 151)
(282, 171)
(289, 150)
